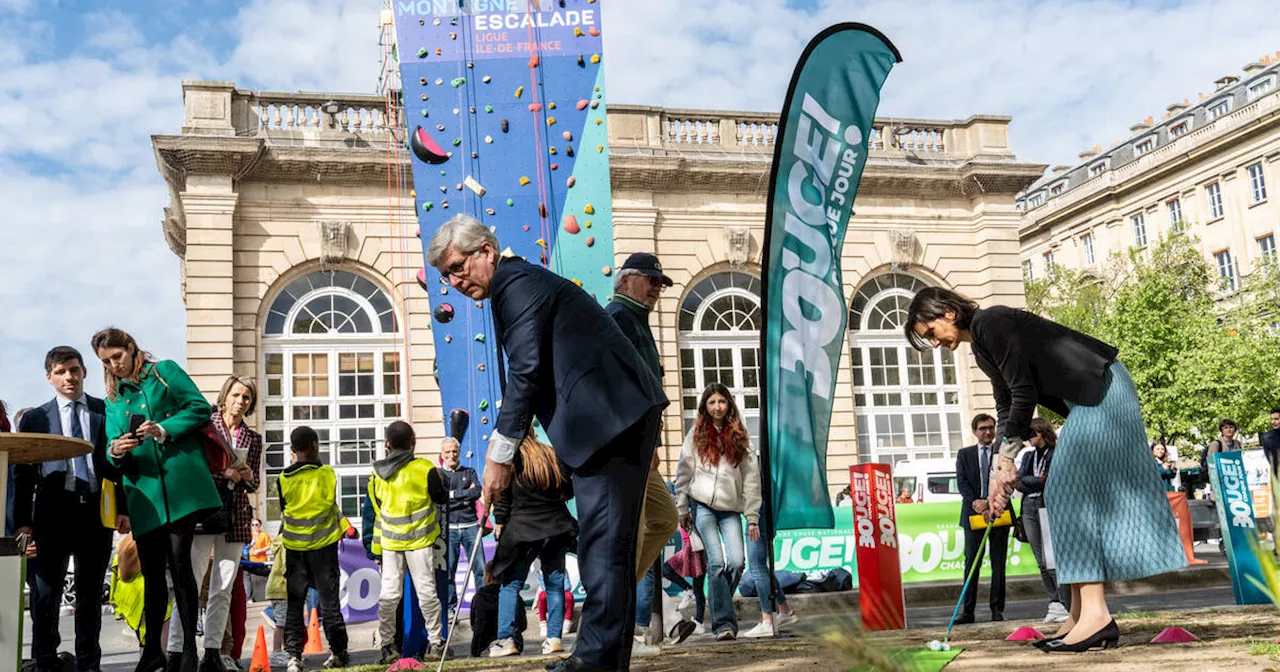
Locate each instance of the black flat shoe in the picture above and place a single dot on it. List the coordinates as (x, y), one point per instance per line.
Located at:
(1042, 643)
(964, 619)
(574, 664)
(1107, 638)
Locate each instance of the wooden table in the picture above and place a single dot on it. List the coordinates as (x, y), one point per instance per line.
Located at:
(23, 448)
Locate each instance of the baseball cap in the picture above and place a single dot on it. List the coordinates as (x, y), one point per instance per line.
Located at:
(647, 264)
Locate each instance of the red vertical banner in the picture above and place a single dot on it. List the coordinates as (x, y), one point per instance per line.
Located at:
(876, 529)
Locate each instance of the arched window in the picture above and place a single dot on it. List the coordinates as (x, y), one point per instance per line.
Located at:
(720, 322)
(331, 361)
(908, 402)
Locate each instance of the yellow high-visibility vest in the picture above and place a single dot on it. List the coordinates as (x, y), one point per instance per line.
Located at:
(406, 516)
(311, 518)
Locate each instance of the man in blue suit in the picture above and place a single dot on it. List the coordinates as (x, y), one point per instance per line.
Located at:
(57, 504)
(570, 366)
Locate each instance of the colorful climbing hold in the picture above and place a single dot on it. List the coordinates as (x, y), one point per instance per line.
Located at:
(542, 210)
(424, 111)
(554, 166)
(511, 202)
(422, 53)
(577, 32)
(487, 79)
(519, 91)
(453, 36)
(439, 81)
(551, 105)
(474, 185)
(479, 338)
(457, 141)
(484, 403)
(534, 61)
(535, 107)
(570, 182)
(484, 419)
(540, 243)
(599, 149)
(524, 181)
(571, 224)
(568, 150)
(587, 224)
(427, 205)
(599, 121)
(439, 52)
(577, 282)
(595, 104)
(526, 227)
(488, 139)
(448, 339)
(582, 63)
(422, 81)
(582, 104)
(439, 127)
(554, 151)
(443, 313)
(589, 209)
(591, 240)
(480, 366)
(490, 211)
(595, 58)
(505, 126)
(488, 108)
(568, 136)
(607, 271)
(425, 148)
(551, 121)
(593, 31)
(458, 81)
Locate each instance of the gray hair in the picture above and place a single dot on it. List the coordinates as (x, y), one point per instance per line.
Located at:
(621, 276)
(450, 441)
(465, 233)
(230, 383)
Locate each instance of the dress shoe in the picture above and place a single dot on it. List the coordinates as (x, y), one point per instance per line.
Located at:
(212, 661)
(1108, 638)
(1044, 643)
(152, 662)
(964, 619)
(574, 664)
(997, 616)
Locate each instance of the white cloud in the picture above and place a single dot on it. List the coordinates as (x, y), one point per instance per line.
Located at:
(82, 197)
(111, 30)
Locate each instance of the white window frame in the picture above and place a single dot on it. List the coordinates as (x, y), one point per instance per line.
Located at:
(1173, 206)
(1058, 187)
(1027, 272)
(1099, 167)
(1218, 108)
(1144, 145)
(1036, 200)
(1180, 128)
(1138, 222)
(869, 414)
(1047, 256)
(1226, 270)
(737, 341)
(1087, 242)
(1267, 247)
(1257, 183)
(1213, 195)
(1260, 87)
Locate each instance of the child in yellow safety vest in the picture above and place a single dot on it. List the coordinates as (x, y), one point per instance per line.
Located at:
(406, 493)
(311, 528)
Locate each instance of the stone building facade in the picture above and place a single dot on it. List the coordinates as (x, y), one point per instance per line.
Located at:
(1208, 169)
(293, 218)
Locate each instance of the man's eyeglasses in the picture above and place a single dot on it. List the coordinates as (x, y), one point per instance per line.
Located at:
(456, 270)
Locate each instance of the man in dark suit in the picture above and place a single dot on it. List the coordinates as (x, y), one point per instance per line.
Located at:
(57, 504)
(570, 366)
(973, 472)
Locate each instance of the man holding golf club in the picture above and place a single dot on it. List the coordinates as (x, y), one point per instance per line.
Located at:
(571, 367)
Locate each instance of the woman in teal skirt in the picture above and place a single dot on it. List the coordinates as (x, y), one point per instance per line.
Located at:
(1108, 515)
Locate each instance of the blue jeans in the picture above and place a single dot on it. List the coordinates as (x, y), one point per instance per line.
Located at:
(724, 565)
(551, 556)
(761, 578)
(644, 598)
(463, 539)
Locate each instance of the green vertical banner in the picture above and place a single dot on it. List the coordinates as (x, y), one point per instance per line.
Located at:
(818, 160)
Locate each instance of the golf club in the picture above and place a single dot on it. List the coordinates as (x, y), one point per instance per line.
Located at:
(457, 609)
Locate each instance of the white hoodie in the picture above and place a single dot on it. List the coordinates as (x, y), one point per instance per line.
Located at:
(721, 487)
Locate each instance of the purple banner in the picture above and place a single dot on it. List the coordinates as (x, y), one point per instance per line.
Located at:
(361, 582)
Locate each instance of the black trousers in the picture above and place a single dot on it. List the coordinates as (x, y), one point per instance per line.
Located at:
(66, 527)
(999, 546)
(313, 569)
(610, 490)
(169, 547)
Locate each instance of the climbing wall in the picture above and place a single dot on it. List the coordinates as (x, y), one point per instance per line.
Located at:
(505, 109)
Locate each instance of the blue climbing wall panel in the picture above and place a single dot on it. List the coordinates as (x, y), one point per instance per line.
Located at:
(505, 110)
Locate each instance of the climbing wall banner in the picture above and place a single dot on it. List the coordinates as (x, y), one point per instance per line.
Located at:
(505, 122)
(818, 159)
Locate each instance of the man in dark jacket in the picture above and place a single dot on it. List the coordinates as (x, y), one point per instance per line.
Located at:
(600, 404)
(464, 491)
(973, 472)
(636, 289)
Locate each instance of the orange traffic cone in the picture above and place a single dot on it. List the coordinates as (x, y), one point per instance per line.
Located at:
(261, 661)
(314, 645)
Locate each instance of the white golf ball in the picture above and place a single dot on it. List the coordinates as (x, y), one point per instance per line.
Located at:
(946, 647)
(935, 645)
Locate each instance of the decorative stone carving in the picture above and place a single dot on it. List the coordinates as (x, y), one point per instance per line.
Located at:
(903, 251)
(333, 241)
(738, 240)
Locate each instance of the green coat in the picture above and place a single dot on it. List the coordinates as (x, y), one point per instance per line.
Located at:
(165, 482)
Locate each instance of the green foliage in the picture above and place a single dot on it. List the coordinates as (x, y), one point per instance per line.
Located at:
(1194, 358)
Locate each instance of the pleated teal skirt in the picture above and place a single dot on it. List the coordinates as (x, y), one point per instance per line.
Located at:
(1109, 518)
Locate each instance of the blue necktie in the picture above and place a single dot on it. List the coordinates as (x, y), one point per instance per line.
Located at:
(984, 465)
(78, 479)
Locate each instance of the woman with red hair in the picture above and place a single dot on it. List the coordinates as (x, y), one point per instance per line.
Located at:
(717, 481)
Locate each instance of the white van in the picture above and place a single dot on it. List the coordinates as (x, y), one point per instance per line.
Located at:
(926, 481)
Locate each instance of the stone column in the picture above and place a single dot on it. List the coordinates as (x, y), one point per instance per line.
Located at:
(209, 203)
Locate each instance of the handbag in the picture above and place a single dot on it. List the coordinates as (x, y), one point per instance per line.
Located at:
(219, 455)
(1019, 532)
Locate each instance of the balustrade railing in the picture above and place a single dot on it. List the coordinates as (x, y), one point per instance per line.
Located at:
(275, 112)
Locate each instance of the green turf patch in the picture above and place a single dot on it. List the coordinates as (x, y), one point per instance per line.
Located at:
(915, 659)
(1127, 615)
(1259, 647)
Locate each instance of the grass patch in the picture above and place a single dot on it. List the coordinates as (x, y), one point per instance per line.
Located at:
(1258, 647)
(1129, 615)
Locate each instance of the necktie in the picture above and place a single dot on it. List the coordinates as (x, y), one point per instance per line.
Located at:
(78, 475)
(984, 466)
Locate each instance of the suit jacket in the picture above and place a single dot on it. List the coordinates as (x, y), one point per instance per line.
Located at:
(969, 479)
(1031, 360)
(568, 363)
(1028, 483)
(47, 419)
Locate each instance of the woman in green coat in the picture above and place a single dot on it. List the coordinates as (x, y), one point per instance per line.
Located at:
(166, 477)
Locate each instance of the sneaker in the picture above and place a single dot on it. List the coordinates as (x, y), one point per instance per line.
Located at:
(761, 630)
(686, 600)
(701, 629)
(437, 651)
(642, 650)
(542, 628)
(337, 661)
(502, 648)
(278, 659)
(389, 656)
(231, 663)
(1057, 613)
(551, 645)
(296, 665)
(781, 620)
(726, 636)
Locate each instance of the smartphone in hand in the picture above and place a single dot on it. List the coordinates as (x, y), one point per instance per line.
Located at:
(135, 421)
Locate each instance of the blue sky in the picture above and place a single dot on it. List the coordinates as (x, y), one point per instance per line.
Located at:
(83, 86)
